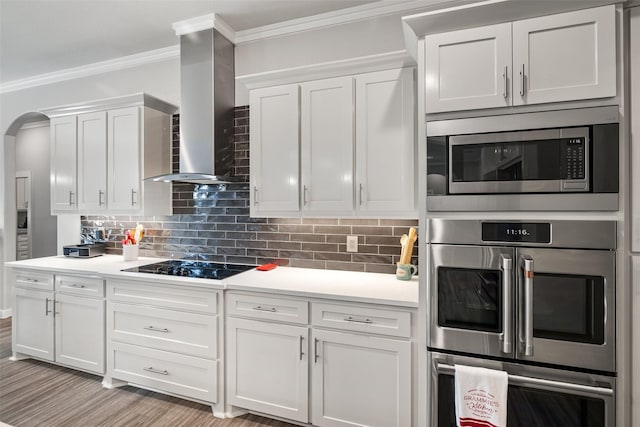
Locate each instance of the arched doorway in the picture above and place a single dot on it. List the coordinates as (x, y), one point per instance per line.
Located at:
(28, 228)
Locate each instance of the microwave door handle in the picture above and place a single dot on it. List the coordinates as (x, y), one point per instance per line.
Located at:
(540, 383)
(507, 303)
(527, 319)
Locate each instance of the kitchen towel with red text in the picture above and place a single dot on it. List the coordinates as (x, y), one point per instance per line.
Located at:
(481, 397)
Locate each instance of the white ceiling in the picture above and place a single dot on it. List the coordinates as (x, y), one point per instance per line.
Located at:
(44, 36)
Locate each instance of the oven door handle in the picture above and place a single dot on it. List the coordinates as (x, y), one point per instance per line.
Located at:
(526, 318)
(507, 303)
(540, 383)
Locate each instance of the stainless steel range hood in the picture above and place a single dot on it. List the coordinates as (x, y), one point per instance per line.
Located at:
(207, 99)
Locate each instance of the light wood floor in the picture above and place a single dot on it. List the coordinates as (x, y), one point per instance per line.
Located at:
(34, 393)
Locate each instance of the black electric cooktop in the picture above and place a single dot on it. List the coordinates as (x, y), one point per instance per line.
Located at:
(198, 269)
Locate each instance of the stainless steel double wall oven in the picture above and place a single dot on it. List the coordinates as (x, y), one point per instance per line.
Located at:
(535, 299)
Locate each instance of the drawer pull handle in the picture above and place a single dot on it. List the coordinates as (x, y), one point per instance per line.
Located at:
(32, 280)
(315, 350)
(353, 319)
(153, 328)
(46, 306)
(75, 285)
(261, 308)
(156, 371)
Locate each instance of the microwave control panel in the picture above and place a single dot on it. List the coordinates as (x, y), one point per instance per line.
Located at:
(574, 155)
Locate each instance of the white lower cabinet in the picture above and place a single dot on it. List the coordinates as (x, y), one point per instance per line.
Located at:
(360, 380)
(60, 320)
(306, 372)
(268, 369)
(33, 323)
(165, 371)
(80, 332)
(164, 336)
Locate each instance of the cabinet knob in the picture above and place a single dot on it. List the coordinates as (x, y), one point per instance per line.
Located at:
(133, 197)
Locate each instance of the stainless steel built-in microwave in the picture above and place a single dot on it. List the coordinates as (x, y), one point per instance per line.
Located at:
(560, 160)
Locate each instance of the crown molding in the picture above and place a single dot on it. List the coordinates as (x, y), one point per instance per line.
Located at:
(205, 22)
(93, 69)
(139, 99)
(337, 17)
(362, 64)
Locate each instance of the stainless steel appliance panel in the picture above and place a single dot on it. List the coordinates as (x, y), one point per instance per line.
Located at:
(566, 307)
(536, 397)
(564, 233)
(471, 299)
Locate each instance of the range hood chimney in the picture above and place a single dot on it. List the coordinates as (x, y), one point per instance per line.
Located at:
(207, 100)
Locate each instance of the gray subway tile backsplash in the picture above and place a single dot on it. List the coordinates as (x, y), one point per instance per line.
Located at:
(212, 223)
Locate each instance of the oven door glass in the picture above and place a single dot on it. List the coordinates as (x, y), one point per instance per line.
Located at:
(528, 406)
(572, 306)
(467, 298)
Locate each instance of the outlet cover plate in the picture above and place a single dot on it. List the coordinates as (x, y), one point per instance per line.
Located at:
(352, 243)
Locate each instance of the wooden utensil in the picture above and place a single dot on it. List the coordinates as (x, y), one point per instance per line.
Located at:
(407, 241)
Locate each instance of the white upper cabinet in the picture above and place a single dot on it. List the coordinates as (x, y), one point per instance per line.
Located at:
(563, 57)
(99, 159)
(468, 69)
(92, 162)
(274, 150)
(327, 146)
(343, 146)
(124, 148)
(385, 160)
(63, 143)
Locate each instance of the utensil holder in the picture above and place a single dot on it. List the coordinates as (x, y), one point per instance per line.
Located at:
(130, 252)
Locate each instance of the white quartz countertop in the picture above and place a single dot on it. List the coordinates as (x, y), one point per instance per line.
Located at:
(376, 288)
(103, 264)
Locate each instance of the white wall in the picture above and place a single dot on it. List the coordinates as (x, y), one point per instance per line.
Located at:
(333, 43)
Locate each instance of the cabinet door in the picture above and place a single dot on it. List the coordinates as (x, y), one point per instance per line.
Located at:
(33, 323)
(327, 146)
(468, 69)
(360, 380)
(92, 162)
(123, 142)
(274, 150)
(80, 332)
(385, 141)
(267, 368)
(63, 164)
(565, 57)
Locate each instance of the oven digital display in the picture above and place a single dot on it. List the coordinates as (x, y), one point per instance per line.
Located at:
(528, 232)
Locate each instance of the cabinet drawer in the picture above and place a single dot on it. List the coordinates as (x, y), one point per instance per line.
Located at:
(22, 238)
(87, 286)
(161, 370)
(22, 255)
(186, 333)
(34, 279)
(163, 295)
(23, 246)
(362, 318)
(259, 307)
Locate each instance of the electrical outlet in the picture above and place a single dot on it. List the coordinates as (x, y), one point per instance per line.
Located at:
(352, 243)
